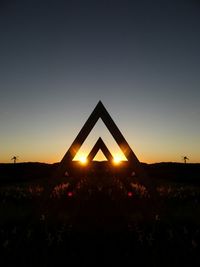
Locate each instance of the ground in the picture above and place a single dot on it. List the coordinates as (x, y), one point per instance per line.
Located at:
(99, 221)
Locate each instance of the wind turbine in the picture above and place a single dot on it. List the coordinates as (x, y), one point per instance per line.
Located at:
(185, 158)
(14, 158)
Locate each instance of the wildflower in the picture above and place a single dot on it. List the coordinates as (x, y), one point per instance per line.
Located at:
(185, 231)
(140, 237)
(5, 244)
(170, 233)
(59, 238)
(49, 239)
(14, 231)
(194, 243)
(150, 239)
(42, 217)
(29, 233)
(157, 218)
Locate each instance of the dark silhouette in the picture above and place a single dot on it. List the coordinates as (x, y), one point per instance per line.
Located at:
(185, 159)
(99, 210)
(97, 218)
(100, 145)
(14, 158)
(133, 162)
(100, 112)
(169, 172)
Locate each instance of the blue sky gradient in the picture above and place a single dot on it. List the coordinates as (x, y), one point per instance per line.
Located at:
(59, 58)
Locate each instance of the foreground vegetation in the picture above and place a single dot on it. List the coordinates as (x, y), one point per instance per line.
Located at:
(91, 221)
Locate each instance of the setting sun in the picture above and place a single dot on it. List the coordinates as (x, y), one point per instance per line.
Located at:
(83, 160)
(117, 159)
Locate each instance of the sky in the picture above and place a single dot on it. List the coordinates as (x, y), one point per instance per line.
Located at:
(140, 58)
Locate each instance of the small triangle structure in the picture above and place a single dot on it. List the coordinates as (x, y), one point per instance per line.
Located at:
(100, 145)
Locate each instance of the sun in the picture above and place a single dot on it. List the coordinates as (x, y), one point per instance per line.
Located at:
(117, 159)
(83, 160)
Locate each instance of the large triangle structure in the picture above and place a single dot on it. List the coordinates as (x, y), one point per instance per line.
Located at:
(68, 168)
(101, 112)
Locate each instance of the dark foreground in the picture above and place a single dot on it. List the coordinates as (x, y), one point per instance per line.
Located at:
(99, 221)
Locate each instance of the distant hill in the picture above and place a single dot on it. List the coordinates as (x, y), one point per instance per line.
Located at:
(30, 171)
(176, 172)
(27, 171)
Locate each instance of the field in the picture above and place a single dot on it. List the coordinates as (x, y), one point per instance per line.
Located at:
(96, 219)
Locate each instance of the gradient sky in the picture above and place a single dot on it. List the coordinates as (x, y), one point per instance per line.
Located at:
(59, 58)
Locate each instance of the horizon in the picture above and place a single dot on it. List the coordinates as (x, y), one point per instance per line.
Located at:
(140, 58)
(99, 157)
(90, 141)
(100, 161)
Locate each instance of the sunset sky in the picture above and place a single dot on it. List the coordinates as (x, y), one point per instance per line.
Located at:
(140, 58)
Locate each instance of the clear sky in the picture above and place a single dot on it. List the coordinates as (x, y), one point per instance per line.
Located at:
(59, 58)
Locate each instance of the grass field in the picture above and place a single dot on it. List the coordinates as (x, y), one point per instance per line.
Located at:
(88, 222)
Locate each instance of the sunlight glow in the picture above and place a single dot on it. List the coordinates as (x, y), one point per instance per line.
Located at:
(117, 159)
(83, 160)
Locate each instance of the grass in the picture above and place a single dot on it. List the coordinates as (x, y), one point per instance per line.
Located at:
(99, 224)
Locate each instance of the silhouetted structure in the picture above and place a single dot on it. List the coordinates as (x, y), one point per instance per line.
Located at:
(100, 112)
(185, 159)
(100, 145)
(133, 163)
(14, 158)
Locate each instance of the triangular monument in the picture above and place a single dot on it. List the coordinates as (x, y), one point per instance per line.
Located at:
(101, 112)
(67, 168)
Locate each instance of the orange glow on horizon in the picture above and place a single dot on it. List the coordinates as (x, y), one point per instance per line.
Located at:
(83, 160)
(117, 159)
